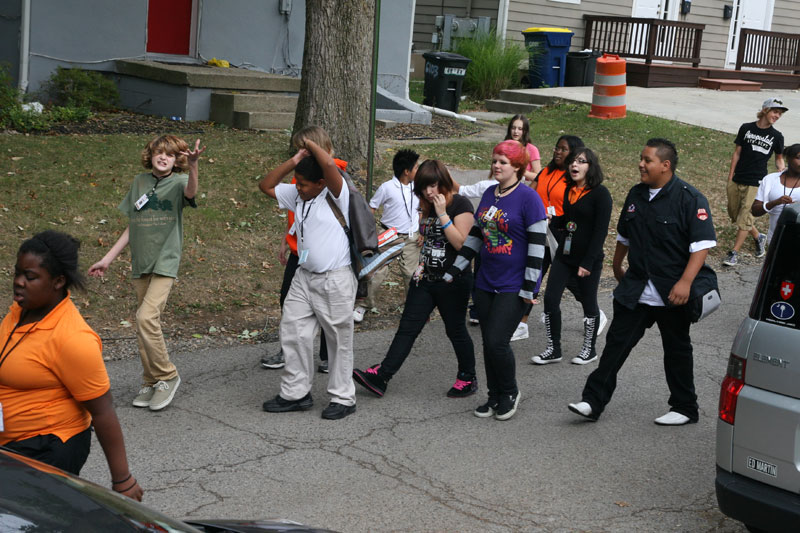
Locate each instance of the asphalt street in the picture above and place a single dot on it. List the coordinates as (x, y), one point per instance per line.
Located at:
(418, 461)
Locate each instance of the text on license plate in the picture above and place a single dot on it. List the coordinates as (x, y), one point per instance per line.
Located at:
(762, 466)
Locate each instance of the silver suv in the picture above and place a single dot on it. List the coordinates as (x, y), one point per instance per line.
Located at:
(758, 430)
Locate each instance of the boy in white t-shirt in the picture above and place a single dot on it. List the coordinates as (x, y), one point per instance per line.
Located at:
(323, 288)
(401, 211)
(779, 189)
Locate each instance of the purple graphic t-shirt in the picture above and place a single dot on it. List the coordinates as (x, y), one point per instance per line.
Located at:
(503, 222)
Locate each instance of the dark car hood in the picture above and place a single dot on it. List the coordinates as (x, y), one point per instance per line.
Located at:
(35, 497)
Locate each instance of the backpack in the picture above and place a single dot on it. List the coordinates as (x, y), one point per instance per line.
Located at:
(366, 256)
(362, 221)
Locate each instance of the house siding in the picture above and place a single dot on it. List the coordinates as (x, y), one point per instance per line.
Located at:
(10, 18)
(523, 14)
(527, 13)
(427, 10)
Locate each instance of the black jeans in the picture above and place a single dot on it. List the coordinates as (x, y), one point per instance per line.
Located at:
(288, 275)
(451, 300)
(499, 313)
(560, 276)
(49, 449)
(626, 329)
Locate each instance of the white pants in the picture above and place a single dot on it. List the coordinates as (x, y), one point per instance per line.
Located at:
(319, 300)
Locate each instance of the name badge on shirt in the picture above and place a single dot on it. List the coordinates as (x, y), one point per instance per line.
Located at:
(141, 202)
(490, 213)
(293, 229)
(303, 257)
(551, 210)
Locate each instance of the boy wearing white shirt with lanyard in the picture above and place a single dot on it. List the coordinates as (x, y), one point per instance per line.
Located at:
(323, 288)
(401, 211)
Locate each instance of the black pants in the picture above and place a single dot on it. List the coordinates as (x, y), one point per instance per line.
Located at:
(288, 275)
(560, 276)
(499, 313)
(451, 300)
(626, 329)
(49, 449)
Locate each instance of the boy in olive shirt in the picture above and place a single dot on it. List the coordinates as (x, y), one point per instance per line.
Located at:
(154, 205)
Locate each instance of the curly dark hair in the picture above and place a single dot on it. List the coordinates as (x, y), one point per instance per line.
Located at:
(59, 254)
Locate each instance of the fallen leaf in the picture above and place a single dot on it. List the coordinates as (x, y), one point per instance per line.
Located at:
(622, 504)
(124, 323)
(16, 158)
(197, 336)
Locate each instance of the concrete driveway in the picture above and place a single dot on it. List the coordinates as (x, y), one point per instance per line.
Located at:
(719, 110)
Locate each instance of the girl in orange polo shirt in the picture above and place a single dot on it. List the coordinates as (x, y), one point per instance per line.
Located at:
(53, 382)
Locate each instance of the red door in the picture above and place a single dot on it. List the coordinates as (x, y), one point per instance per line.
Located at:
(169, 26)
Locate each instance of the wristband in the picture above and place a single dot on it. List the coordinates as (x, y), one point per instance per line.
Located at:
(442, 215)
(449, 222)
(122, 480)
(126, 488)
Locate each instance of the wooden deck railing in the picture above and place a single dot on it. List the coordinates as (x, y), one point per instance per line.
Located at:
(644, 38)
(768, 50)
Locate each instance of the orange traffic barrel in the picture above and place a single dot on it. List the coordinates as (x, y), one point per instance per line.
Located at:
(608, 96)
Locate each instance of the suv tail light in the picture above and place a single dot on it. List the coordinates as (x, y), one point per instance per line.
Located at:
(731, 386)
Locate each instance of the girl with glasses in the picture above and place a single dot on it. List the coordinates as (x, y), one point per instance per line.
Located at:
(580, 233)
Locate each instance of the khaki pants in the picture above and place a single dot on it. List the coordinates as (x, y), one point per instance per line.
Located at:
(408, 260)
(740, 200)
(319, 300)
(152, 292)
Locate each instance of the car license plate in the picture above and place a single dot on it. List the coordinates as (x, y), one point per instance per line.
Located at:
(762, 466)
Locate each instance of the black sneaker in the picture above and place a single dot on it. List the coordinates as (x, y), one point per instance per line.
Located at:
(273, 361)
(335, 411)
(507, 406)
(486, 410)
(371, 380)
(464, 386)
(281, 405)
(323, 367)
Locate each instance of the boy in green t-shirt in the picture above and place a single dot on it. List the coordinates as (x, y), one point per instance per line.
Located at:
(154, 206)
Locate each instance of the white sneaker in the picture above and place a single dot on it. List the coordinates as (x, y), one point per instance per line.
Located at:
(520, 333)
(672, 419)
(583, 409)
(358, 313)
(603, 322)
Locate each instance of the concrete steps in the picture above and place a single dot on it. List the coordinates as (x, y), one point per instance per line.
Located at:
(721, 84)
(521, 101)
(262, 110)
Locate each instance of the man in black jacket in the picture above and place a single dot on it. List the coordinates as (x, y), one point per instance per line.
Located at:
(665, 230)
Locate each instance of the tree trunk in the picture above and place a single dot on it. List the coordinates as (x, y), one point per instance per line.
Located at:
(336, 78)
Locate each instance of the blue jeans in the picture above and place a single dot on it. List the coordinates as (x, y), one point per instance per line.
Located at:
(499, 314)
(451, 300)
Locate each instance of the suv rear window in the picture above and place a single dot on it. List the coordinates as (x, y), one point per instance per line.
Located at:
(777, 299)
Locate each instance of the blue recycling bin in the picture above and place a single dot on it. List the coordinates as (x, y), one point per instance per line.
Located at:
(547, 55)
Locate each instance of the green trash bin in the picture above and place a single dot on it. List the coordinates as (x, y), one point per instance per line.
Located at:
(444, 76)
(547, 55)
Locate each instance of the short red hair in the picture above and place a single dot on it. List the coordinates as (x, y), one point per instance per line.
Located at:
(516, 153)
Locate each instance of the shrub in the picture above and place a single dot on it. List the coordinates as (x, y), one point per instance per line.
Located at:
(9, 95)
(494, 66)
(69, 114)
(77, 88)
(23, 121)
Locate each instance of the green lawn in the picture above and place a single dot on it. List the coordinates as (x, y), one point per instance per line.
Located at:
(230, 274)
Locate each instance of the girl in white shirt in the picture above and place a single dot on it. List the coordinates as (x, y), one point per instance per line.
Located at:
(778, 189)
